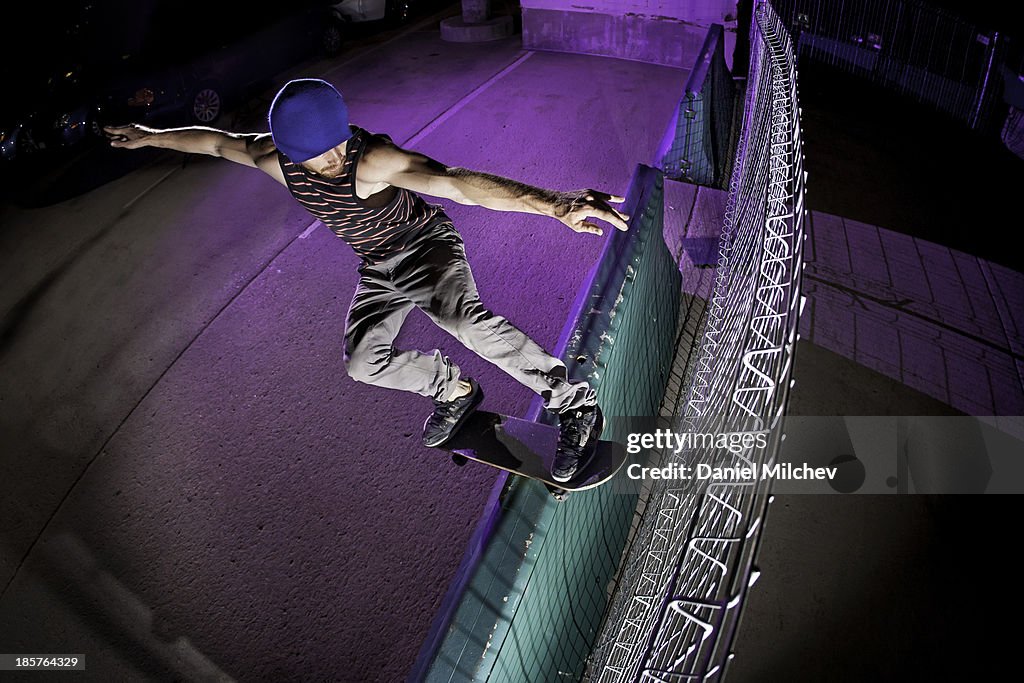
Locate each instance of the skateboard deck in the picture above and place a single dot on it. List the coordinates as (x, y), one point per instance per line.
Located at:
(528, 449)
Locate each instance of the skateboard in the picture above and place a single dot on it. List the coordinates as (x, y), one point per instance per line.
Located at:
(528, 449)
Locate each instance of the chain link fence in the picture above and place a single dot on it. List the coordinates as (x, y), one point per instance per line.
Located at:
(677, 604)
(913, 48)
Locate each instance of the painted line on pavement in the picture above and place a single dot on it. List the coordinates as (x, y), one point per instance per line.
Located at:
(309, 230)
(457, 107)
(434, 18)
(149, 189)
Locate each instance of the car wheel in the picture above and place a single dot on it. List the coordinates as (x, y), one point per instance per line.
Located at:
(332, 39)
(95, 128)
(206, 104)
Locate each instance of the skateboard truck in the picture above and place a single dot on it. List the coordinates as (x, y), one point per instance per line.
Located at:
(557, 493)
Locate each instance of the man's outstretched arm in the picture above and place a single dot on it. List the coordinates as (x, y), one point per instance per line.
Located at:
(249, 149)
(385, 162)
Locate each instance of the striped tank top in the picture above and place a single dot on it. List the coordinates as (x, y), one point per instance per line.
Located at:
(377, 227)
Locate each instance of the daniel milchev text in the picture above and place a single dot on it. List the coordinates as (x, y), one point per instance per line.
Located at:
(735, 442)
(752, 472)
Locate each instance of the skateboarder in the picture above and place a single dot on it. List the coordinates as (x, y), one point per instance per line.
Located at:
(366, 190)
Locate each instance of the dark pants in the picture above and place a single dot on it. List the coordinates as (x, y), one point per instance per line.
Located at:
(432, 273)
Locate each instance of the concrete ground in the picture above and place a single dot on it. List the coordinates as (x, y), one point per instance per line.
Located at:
(192, 487)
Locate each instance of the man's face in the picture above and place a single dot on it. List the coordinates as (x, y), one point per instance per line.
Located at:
(329, 163)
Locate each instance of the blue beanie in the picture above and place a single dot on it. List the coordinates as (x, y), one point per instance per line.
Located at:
(307, 118)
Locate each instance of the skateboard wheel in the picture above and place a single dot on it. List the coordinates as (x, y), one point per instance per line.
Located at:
(459, 460)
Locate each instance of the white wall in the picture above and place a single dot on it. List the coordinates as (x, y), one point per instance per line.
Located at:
(703, 12)
(669, 32)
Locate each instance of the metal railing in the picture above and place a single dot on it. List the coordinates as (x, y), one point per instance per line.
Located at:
(696, 145)
(687, 572)
(905, 45)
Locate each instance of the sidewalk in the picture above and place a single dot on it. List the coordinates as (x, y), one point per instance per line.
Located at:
(935, 319)
(194, 486)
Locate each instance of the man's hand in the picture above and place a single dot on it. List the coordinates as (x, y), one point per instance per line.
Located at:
(131, 136)
(576, 208)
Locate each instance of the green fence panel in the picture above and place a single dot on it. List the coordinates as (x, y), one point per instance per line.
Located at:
(533, 589)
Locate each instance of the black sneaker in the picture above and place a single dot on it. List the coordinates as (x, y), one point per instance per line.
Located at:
(448, 416)
(578, 432)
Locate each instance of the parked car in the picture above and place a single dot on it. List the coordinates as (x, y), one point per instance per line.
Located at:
(50, 113)
(181, 71)
(46, 94)
(16, 141)
(230, 55)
